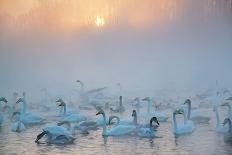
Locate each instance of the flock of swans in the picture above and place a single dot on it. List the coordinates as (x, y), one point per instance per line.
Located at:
(69, 122)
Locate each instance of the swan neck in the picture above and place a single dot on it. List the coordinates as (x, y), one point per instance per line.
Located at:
(148, 107)
(135, 120)
(174, 121)
(217, 117)
(189, 111)
(230, 126)
(104, 124)
(24, 109)
(229, 111)
(185, 117)
(64, 109)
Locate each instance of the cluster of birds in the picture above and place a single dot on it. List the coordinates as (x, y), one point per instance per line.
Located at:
(69, 122)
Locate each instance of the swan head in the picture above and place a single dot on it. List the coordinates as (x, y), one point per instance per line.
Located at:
(134, 113)
(188, 101)
(79, 81)
(178, 111)
(20, 100)
(61, 102)
(154, 119)
(40, 136)
(3, 99)
(227, 120)
(146, 99)
(100, 112)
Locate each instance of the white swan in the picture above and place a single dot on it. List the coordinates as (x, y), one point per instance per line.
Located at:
(228, 135)
(84, 126)
(29, 118)
(120, 108)
(56, 135)
(119, 130)
(219, 128)
(185, 128)
(162, 117)
(229, 113)
(125, 122)
(150, 131)
(17, 126)
(2, 99)
(70, 117)
(196, 118)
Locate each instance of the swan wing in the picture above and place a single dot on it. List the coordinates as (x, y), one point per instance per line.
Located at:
(122, 130)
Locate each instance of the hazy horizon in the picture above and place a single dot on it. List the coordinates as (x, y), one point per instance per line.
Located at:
(179, 45)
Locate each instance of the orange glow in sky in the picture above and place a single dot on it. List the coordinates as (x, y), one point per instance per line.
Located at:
(76, 15)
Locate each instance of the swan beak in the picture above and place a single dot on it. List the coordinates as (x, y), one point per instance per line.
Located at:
(145, 99)
(157, 123)
(98, 113)
(5, 100)
(19, 100)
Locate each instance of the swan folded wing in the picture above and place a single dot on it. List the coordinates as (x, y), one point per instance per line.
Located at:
(146, 133)
(15, 128)
(29, 118)
(122, 130)
(186, 128)
(74, 118)
(57, 130)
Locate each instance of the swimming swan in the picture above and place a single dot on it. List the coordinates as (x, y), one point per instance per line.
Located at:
(150, 131)
(125, 122)
(70, 117)
(17, 126)
(228, 135)
(56, 135)
(229, 113)
(185, 128)
(29, 118)
(120, 108)
(195, 117)
(119, 130)
(219, 128)
(4, 100)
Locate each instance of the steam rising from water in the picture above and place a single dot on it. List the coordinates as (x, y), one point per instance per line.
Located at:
(144, 45)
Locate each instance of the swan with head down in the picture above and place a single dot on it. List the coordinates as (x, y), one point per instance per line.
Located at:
(119, 130)
(55, 135)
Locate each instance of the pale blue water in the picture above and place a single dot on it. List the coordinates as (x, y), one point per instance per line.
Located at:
(204, 140)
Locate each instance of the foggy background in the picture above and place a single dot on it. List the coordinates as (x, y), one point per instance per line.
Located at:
(144, 45)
